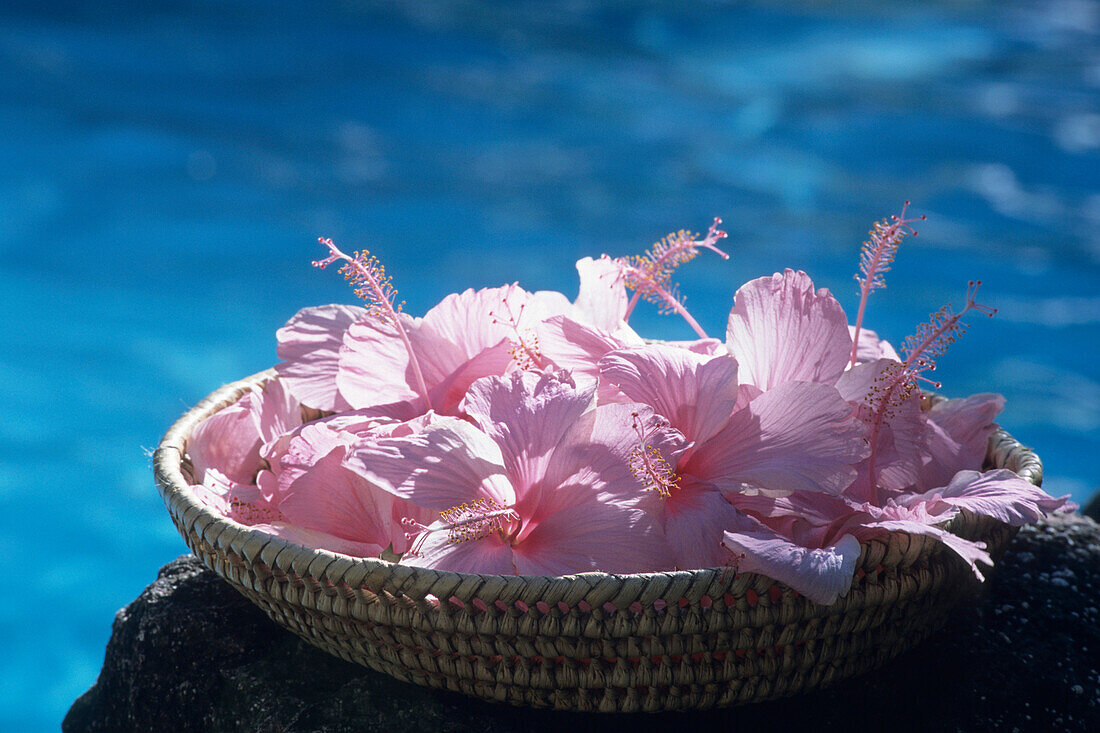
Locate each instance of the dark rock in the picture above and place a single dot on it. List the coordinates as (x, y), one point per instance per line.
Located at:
(1091, 508)
(192, 654)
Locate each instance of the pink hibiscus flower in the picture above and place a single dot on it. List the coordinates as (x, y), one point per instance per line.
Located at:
(781, 330)
(312, 489)
(794, 437)
(233, 439)
(890, 407)
(811, 543)
(540, 484)
(340, 358)
(245, 504)
(302, 492)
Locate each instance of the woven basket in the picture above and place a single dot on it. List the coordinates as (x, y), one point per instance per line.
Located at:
(593, 641)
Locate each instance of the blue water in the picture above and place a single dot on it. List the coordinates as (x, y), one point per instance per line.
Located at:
(167, 168)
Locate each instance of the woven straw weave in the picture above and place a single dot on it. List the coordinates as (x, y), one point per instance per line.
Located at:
(592, 641)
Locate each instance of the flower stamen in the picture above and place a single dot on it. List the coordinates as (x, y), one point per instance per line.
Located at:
(898, 380)
(650, 275)
(874, 262)
(524, 348)
(649, 465)
(472, 520)
(375, 287)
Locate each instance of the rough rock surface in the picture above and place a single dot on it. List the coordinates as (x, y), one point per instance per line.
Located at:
(192, 654)
(1091, 508)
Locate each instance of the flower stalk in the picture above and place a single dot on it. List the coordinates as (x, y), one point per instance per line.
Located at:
(921, 350)
(874, 262)
(375, 288)
(650, 275)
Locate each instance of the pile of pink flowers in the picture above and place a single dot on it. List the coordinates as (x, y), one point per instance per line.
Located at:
(520, 433)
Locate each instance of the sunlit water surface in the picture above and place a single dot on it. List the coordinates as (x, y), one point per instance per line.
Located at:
(166, 173)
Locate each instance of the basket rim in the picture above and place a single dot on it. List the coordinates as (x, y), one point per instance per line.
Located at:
(257, 546)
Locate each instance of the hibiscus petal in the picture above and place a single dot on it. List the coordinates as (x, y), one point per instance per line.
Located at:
(958, 435)
(602, 299)
(797, 436)
(464, 320)
(900, 442)
(782, 330)
(449, 463)
(299, 449)
(320, 540)
(493, 361)
(464, 324)
(330, 498)
(279, 413)
(706, 347)
(570, 345)
(228, 441)
(374, 366)
(820, 574)
(620, 432)
(809, 518)
(971, 552)
(596, 458)
(694, 520)
(488, 555)
(695, 393)
(871, 347)
(304, 447)
(309, 346)
(527, 414)
(1000, 494)
(593, 536)
(242, 503)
